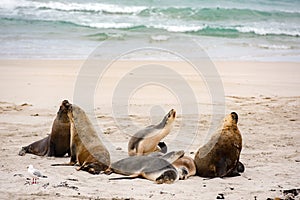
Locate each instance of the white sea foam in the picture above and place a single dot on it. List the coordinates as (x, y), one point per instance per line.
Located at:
(92, 7)
(12, 4)
(274, 46)
(109, 25)
(178, 28)
(268, 31)
(159, 37)
(269, 27)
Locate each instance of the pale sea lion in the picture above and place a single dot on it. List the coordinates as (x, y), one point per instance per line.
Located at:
(185, 166)
(86, 147)
(58, 142)
(219, 157)
(157, 169)
(146, 140)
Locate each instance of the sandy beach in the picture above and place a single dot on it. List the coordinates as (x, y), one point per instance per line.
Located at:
(264, 94)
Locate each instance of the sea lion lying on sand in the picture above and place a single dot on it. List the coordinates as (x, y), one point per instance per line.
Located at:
(154, 168)
(185, 165)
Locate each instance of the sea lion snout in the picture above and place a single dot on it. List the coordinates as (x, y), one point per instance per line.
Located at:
(66, 103)
(64, 107)
(172, 113)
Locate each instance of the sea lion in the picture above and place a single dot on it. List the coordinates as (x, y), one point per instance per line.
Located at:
(219, 157)
(157, 169)
(87, 149)
(58, 142)
(146, 140)
(185, 166)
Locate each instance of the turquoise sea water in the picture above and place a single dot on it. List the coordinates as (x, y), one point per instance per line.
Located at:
(235, 29)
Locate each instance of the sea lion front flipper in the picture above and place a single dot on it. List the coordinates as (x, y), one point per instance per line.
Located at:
(51, 149)
(169, 176)
(221, 167)
(163, 147)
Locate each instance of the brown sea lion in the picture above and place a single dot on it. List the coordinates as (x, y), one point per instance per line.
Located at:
(219, 157)
(147, 140)
(87, 149)
(58, 142)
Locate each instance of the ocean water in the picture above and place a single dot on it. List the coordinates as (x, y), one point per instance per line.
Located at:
(226, 30)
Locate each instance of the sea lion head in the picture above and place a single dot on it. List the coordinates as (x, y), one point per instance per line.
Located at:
(63, 107)
(183, 173)
(74, 111)
(63, 110)
(169, 118)
(234, 117)
(231, 119)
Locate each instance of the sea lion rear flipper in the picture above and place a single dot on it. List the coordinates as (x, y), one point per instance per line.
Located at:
(38, 148)
(133, 176)
(240, 168)
(64, 164)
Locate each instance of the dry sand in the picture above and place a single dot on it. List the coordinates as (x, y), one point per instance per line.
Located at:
(265, 95)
